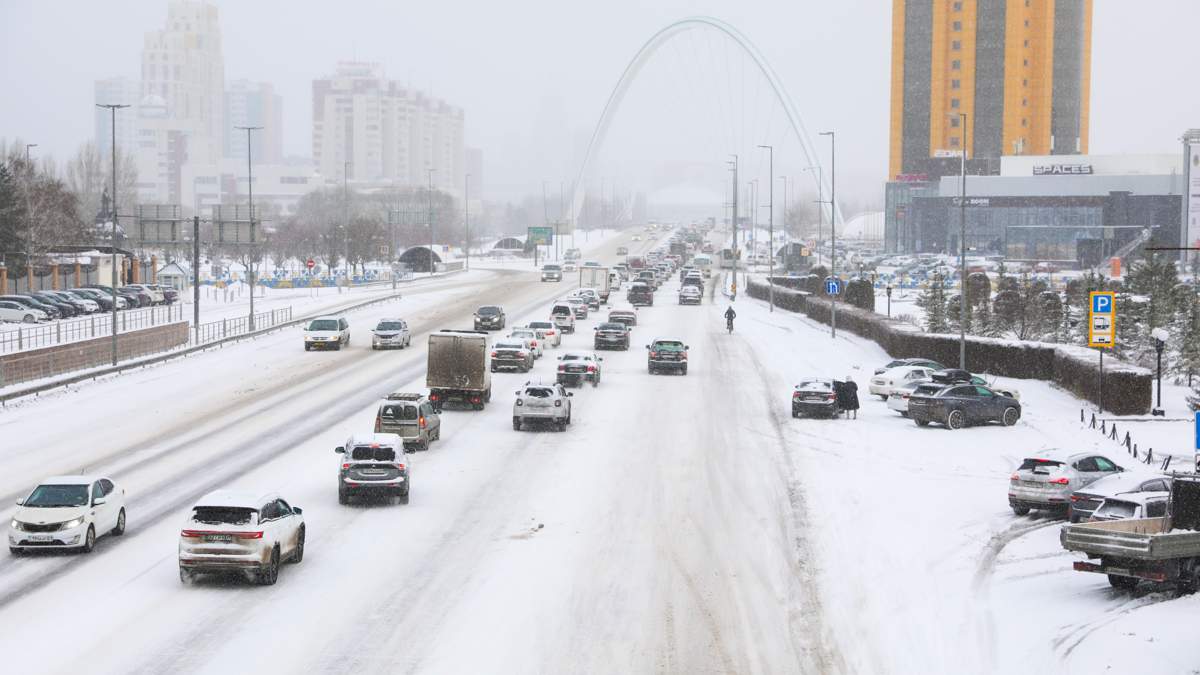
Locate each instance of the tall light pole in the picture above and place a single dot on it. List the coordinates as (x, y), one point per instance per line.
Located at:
(29, 218)
(431, 266)
(771, 228)
(466, 220)
(250, 191)
(545, 217)
(832, 226)
(733, 293)
(113, 108)
(346, 217)
(962, 245)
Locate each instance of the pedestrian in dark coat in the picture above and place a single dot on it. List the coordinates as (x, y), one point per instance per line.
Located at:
(850, 387)
(839, 393)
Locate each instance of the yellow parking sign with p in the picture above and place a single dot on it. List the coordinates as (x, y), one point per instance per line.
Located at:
(1102, 319)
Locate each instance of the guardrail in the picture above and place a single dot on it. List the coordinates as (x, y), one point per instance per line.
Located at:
(62, 331)
(219, 330)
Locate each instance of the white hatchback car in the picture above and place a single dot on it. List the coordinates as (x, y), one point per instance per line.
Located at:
(531, 335)
(231, 531)
(67, 512)
(547, 332)
(884, 383)
(18, 313)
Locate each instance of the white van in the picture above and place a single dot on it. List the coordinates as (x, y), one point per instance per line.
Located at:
(563, 316)
(704, 264)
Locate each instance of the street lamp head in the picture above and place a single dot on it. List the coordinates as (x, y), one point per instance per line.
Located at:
(1161, 336)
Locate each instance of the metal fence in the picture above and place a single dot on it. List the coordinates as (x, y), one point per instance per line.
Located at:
(217, 330)
(33, 336)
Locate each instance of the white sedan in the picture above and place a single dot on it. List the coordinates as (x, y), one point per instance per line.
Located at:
(530, 335)
(18, 313)
(884, 383)
(238, 532)
(67, 512)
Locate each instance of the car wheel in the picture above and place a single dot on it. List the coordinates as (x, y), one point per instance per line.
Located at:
(955, 420)
(493, 369)
(562, 425)
(268, 576)
(1122, 583)
(403, 497)
(343, 496)
(119, 529)
(1020, 509)
(882, 397)
(683, 370)
(516, 424)
(1010, 416)
(307, 347)
(89, 540)
(185, 576)
(903, 413)
(14, 550)
(298, 553)
(28, 318)
(795, 414)
(921, 423)
(337, 347)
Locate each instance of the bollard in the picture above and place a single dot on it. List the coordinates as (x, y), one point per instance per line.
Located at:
(1102, 429)
(1093, 420)
(58, 332)
(93, 325)
(20, 338)
(1135, 453)
(222, 327)
(1113, 434)
(1081, 417)
(1128, 440)
(1150, 455)
(1166, 463)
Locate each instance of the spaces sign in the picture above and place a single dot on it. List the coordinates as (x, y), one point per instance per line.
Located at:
(1063, 170)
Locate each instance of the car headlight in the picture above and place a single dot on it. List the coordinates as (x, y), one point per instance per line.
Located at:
(16, 524)
(72, 523)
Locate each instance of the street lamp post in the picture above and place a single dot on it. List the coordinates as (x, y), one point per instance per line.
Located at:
(250, 192)
(466, 220)
(1160, 336)
(832, 225)
(733, 287)
(431, 266)
(962, 245)
(346, 218)
(820, 207)
(113, 108)
(771, 228)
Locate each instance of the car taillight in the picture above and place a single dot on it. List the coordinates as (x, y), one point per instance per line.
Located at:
(1015, 476)
(377, 425)
(248, 535)
(520, 402)
(558, 404)
(533, 343)
(591, 369)
(493, 355)
(654, 355)
(795, 395)
(831, 397)
(420, 420)
(433, 397)
(345, 466)
(1074, 498)
(1060, 481)
(475, 399)
(400, 467)
(683, 356)
(522, 353)
(190, 534)
(904, 396)
(562, 369)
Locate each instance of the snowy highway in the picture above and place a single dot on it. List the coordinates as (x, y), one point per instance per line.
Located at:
(681, 524)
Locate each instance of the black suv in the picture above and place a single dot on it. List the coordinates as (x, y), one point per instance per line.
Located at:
(667, 355)
(489, 317)
(958, 405)
(640, 294)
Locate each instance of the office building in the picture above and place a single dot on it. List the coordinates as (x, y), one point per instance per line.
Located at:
(1019, 70)
(253, 104)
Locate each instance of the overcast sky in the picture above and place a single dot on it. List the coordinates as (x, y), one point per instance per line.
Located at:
(534, 76)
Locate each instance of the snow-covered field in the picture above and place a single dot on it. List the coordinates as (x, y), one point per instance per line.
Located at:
(682, 524)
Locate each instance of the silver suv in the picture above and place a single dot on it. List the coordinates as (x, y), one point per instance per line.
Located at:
(1047, 479)
(410, 416)
(542, 402)
(373, 464)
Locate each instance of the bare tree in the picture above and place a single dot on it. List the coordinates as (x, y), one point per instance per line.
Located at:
(89, 175)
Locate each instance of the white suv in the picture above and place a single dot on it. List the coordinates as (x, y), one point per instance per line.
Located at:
(327, 332)
(237, 532)
(541, 402)
(563, 316)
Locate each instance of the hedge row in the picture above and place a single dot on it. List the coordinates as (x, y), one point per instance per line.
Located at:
(1127, 389)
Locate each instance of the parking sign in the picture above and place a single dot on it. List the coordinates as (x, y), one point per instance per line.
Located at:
(1102, 320)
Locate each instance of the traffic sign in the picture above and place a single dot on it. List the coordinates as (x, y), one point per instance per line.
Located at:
(541, 236)
(310, 263)
(1102, 319)
(832, 286)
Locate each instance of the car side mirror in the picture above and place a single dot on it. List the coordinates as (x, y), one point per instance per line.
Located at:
(21, 502)
(518, 393)
(647, 346)
(570, 394)
(99, 501)
(297, 510)
(340, 449)
(685, 348)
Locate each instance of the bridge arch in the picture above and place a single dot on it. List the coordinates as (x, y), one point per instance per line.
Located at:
(647, 51)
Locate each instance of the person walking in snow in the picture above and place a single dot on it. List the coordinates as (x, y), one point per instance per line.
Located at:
(850, 391)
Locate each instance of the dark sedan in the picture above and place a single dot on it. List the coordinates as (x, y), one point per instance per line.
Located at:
(957, 406)
(66, 309)
(814, 398)
(101, 299)
(611, 335)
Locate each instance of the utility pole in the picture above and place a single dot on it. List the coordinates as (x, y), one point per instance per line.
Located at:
(113, 108)
(820, 208)
(962, 245)
(466, 219)
(253, 242)
(346, 217)
(771, 228)
(29, 218)
(832, 226)
(733, 292)
(545, 217)
(196, 277)
(431, 265)
(559, 221)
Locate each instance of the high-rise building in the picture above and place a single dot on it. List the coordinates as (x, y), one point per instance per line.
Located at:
(117, 91)
(182, 115)
(253, 104)
(377, 130)
(1020, 70)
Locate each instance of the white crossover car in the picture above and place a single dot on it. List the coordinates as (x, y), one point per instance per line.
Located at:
(238, 532)
(67, 512)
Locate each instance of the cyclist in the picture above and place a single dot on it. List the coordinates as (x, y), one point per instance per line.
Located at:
(729, 317)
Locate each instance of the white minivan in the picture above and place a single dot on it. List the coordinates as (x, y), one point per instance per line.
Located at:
(563, 316)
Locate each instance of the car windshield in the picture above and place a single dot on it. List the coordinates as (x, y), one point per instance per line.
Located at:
(541, 324)
(488, 311)
(389, 325)
(509, 344)
(222, 515)
(668, 346)
(576, 357)
(816, 384)
(399, 412)
(539, 392)
(51, 496)
(323, 324)
(377, 454)
(561, 310)
(551, 268)
(613, 326)
(1033, 463)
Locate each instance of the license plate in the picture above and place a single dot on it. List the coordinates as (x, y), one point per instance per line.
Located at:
(1121, 571)
(40, 537)
(215, 538)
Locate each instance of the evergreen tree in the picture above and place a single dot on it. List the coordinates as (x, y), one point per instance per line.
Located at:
(933, 301)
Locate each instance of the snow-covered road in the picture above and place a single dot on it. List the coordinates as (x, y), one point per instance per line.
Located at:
(681, 524)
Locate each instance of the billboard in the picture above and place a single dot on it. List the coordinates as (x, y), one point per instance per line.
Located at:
(541, 236)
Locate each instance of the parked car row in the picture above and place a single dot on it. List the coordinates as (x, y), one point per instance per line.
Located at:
(48, 305)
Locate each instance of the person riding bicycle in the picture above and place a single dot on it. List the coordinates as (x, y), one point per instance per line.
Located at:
(729, 317)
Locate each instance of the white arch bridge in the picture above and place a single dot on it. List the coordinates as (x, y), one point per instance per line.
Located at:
(647, 51)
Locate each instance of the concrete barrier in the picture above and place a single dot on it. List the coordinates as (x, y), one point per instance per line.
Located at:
(36, 364)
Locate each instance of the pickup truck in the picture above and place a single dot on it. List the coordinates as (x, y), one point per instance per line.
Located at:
(458, 368)
(1162, 550)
